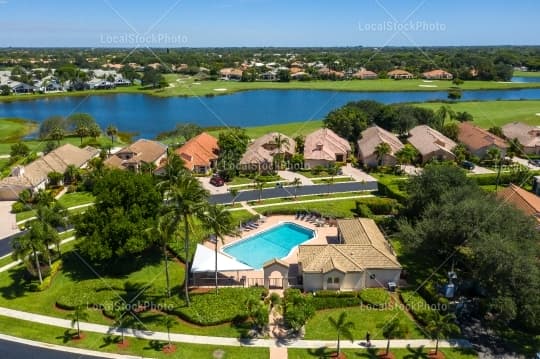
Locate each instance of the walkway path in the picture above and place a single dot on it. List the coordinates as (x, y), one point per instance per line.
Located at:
(289, 176)
(248, 208)
(311, 200)
(357, 174)
(69, 209)
(199, 339)
(8, 225)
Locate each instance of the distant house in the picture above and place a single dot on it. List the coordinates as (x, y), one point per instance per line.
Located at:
(398, 74)
(17, 87)
(528, 136)
(268, 76)
(34, 175)
(431, 144)
(478, 140)
(437, 75)
(525, 201)
(99, 84)
(138, 155)
(230, 74)
(326, 73)
(367, 145)
(364, 74)
(200, 153)
(323, 148)
(363, 259)
(260, 154)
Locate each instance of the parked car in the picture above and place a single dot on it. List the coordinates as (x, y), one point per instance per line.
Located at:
(217, 181)
(467, 165)
(534, 162)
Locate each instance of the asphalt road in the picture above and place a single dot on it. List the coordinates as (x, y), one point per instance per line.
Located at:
(5, 245)
(12, 350)
(253, 195)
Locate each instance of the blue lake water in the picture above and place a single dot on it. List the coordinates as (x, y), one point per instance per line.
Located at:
(148, 115)
(525, 79)
(276, 242)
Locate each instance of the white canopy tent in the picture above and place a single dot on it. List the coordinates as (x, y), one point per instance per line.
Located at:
(205, 261)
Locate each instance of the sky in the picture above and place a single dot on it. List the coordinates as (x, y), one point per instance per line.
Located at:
(261, 23)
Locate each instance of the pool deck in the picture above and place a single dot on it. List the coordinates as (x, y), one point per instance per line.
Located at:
(324, 235)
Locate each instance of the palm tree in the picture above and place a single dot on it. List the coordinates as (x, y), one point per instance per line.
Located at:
(407, 154)
(443, 113)
(57, 134)
(329, 182)
(168, 322)
(111, 132)
(342, 328)
(165, 230)
(173, 171)
(81, 131)
(439, 326)
(220, 222)
(187, 199)
(391, 330)
(94, 131)
(30, 243)
(382, 150)
(71, 173)
(296, 183)
(259, 185)
(234, 193)
(78, 314)
(280, 141)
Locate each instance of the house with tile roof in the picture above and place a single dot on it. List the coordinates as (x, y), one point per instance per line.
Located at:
(525, 201)
(398, 74)
(259, 155)
(324, 147)
(34, 175)
(138, 155)
(528, 136)
(431, 144)
(200, 153)
(437, 74)
(364, 74)
(362, 259)
(478, 140)
(367, 145)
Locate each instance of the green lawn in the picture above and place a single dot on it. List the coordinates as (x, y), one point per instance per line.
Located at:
(291, 129)
(365, 320)
(76, 198)
(336, 180)
(407, 353)
(495, 113)
(13, 129)
(527, 73)
(104, 343)
(338, 208)
(39, 145)
(291, 200)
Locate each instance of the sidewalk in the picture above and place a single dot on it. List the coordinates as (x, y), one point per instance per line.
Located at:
(199, 339)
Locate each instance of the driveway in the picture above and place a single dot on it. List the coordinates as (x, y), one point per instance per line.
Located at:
(357, 174)
(477, 170)
(253, 195)
(289, 176)
(205, 181)
(525, 163)
(8, 225)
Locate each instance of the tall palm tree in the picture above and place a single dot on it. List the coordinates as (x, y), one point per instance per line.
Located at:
(71, 173)
(381, 150)
(173, 171)
(57, 134)
(296, 183)
(94, 131)
(168, 322)
(439, 326)
(30, 244)
(259, 186)
(220, 222)
(112, 132)
(81, 131)
(442, 114)
(78, 314)
(165, 231)
(391, 330)
(234, 193)
(187, 198)
(280, 141)
(342, 328)
(407, 154)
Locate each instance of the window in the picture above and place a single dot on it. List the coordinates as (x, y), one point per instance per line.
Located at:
(329, 280)
(336, 280)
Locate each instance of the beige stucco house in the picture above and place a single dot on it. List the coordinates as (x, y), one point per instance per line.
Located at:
(139, 153)
(367, 146)
(528, 136)
(362, 259)
(259, 155)
(431, 144)
(324, 147)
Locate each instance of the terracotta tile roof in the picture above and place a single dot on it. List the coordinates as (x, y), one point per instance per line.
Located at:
(528, 136)
(199, 151)
(276, 261)
(364, 248)
(324, 144)
(475, 138)
(398, 73)
(438, 73)
(527, 202)
(143, 151)
(263, 149)
(55, 161)
(373, 136)
(363, 73)
(427, 140)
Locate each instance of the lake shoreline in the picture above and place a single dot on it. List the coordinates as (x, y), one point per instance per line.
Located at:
(263, 86)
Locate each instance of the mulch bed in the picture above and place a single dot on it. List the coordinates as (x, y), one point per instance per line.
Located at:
(383, 355)
(439, 355)
(336, 356)
(169, 348)
(76, 337)
(123, 345)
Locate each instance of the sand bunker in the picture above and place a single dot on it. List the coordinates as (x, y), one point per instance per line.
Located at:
(538, 114)
(428, 86)
(220, 89)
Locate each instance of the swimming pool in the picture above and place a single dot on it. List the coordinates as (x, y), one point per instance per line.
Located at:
(275, 242)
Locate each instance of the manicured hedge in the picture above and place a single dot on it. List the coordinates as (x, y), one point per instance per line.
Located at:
(375, 297)
(392, 191)
(326, 299)
(418, 307)
(48, 280)
(379, 206)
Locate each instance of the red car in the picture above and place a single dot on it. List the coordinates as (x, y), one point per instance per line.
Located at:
(217, 181)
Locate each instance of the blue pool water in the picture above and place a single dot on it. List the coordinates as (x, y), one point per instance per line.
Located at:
(276, 242)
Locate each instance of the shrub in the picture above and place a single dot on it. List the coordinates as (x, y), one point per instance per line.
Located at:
(19, 207)
(326, 299)
(380, 206)
(418, 307)
(48, 280)
(392, 191)
(363, 210)
(375, 297)
(297, 309)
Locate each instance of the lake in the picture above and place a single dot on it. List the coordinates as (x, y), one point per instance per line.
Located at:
(148, 115)
(525, 79)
